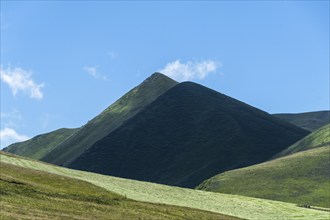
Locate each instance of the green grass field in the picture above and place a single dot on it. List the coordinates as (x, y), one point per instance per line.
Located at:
(301, 178)
(299, 174)
(233, 205)
(33, 194)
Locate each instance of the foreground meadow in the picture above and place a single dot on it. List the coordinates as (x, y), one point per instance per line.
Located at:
(232, 205)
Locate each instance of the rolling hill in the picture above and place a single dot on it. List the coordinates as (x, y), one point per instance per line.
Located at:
(46, 191)
(318, 138)
(187, 135)
(301, 177)
(110, 119)
(33, 194)
(38, 146)
(310, 121)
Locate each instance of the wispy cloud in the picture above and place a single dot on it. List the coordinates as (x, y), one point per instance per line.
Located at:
(3, 24)
(45, 119)
(14, 114)
(190, 70)
(11, 119)
(111, 54)
(9, 136)
(92, 70)
(20, 80)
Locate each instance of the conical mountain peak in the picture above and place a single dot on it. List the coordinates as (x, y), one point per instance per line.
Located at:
(188, 134)
(111, 118)
(159, 78)
(157, 74)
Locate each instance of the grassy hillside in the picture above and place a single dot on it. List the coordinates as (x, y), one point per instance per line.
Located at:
(33, 194)
(319, 138)
(240, 206)
(301, 178)
(189, 134)
(110, 119)
(40, 145)
(310, 121)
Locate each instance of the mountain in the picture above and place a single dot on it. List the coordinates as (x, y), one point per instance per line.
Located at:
(318, 138)
(310, 121)
(188, 134)
(40, 145)
(301, 177)
(110, 119)
(37, 190)
(30, 194)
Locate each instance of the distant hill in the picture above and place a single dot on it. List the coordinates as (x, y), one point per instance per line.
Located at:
(318, 138)
(187, 135)
(110, 119)
(310, 121)
(40, 145)
(301, 177)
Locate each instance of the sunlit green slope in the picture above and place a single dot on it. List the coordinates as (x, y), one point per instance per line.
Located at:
(40, 145)
(302, 177)
(319, 138)
(34, 194)
(239, 206)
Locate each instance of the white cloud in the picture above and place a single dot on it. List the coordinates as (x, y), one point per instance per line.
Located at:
(190, 70)
(93, 72)
(9, 136)
(19, 80)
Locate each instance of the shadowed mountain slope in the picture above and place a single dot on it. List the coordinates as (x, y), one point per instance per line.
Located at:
(301, 177)
(110, 119)
(310, 121)
(189, 134)
(40, 145)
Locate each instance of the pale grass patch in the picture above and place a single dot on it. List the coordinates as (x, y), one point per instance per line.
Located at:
(239, 206)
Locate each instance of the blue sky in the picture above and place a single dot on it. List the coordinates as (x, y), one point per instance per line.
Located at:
(62, 63)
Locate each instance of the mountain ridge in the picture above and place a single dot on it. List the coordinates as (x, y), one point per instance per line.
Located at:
(310, 121)
(110, 119)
